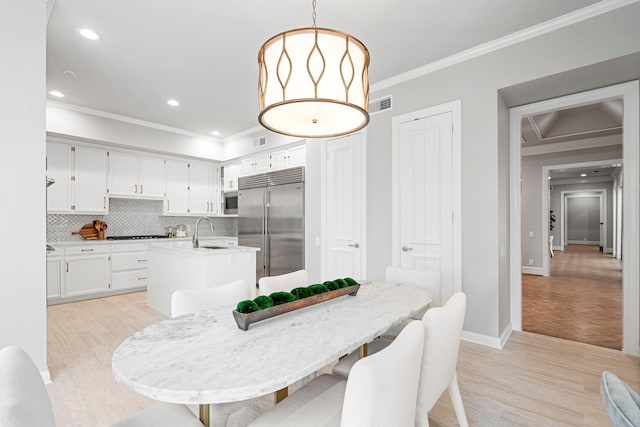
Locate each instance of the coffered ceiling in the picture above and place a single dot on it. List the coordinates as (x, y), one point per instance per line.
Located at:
(203, 53)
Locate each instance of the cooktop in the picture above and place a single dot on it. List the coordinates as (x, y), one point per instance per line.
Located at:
(138, 237)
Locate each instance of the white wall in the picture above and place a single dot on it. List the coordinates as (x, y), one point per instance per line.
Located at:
(22, 178)
(476, 83)
(532, 178)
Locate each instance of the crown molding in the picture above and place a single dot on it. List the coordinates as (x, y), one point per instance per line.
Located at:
(582, 144)
(244, 133)
(130, 120)
(559, 22)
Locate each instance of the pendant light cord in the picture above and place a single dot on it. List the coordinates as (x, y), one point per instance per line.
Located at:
(313, 15)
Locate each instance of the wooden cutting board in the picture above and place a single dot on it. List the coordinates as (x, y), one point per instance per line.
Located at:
(88, 232)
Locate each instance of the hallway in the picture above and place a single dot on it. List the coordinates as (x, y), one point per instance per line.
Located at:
(580, 301)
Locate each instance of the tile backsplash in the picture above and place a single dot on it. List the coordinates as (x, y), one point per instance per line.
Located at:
(133, 216)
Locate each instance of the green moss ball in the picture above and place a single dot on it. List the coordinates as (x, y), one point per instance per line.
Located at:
(282, 297)
(300, 293)
(341, 283)
(318, 289)
(332, 285)
(264, 301)
(350, 281)
(247, 306)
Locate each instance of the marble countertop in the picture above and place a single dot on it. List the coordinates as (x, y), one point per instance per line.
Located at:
(186, 248)
(205, 358)
(146, 241)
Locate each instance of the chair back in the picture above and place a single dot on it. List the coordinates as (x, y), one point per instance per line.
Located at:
(283, 283)
(192, 300)
(382, 388)
(24, 401)
(622, 403)
(429, 280)
(442, 332)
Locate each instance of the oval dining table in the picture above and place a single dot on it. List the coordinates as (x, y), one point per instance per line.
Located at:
(204, 358)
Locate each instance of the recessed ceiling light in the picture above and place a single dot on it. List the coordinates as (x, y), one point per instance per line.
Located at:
(88, 33)
(583, 174)
(215, 133)
(56, 93)
(173, 102)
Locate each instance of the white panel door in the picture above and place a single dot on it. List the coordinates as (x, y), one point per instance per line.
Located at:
(426, 202)
(151, 177)
(123, 174)
(343, 210)
(91, 180)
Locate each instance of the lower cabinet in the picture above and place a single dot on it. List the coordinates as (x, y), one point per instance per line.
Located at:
(87, 274)
(54, 277)
(129, 266)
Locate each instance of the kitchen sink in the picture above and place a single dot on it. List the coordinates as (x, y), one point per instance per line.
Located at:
(214, 247)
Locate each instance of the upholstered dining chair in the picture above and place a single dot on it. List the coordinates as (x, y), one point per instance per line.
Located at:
(192, 300)
(381, 391)
(621, 401)
(283, 283)
(442, 332)
(24, 401)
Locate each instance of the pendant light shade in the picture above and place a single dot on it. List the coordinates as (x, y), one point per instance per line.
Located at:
(313, 83)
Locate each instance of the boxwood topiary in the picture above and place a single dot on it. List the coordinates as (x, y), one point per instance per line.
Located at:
(300, 293)
(350, 281)
(332, 285)
(341, 283)
(282, 297)
(247, 306)
(264, 301)
(318, 288)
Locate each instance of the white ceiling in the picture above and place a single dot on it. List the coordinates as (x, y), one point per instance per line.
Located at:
(204, 52)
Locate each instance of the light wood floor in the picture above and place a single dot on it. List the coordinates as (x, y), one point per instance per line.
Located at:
(580, 301)
(534, 381)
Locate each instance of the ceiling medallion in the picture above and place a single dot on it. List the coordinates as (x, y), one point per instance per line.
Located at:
(313, 83)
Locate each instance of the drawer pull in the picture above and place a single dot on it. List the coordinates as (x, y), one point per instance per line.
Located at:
(86, 250)
(143, 260)
(142, 278)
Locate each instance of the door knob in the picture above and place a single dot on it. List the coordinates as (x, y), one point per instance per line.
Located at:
(355, 245)
(406, 249)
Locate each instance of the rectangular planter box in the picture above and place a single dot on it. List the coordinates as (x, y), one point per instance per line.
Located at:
(244, 320)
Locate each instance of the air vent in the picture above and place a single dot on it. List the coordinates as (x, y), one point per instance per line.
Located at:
(259, 142)
(380, 104)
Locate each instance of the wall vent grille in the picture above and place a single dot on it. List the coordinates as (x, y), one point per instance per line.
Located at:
(380, 104)
(259, 142)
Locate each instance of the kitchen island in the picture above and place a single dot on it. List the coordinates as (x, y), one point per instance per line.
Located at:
(177, 265)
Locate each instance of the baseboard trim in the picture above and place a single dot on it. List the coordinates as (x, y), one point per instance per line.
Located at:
(608, 251)
(536, 271)
(481, 339)
(558, 248)
(582, 242)
(46, 376)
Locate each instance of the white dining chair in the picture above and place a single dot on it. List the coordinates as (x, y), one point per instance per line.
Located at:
(24, 401)
(192, 300)
(442, 332)
(380, 392)
(429, 280)
(283, 283)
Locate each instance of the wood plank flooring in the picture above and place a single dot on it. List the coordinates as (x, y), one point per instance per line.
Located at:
(581, 300)
(535, 380)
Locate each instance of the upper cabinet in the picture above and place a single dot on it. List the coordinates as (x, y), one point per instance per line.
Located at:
(191, 188)
(231, 173)
(278, 159)
(135, 176)
(80, 175)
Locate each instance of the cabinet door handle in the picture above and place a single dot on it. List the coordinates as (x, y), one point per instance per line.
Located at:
(168, 204)
(136, 188)
(104, 202)
(406, 249)
(355, 245)
(67, 266)
(141, 189)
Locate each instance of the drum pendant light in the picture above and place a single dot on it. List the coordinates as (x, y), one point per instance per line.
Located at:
(313, 83)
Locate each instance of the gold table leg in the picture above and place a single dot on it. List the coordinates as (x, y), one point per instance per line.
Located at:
(280, 395)
(204, 414)
(364, 350)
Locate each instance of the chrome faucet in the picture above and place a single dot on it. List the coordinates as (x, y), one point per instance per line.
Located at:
(196, 244)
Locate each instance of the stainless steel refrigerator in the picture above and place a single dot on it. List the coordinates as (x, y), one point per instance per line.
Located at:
(271, 217)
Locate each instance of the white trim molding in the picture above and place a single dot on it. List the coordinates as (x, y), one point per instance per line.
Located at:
(583, 144)
(488, 341)
(630, 94)
(536, 271)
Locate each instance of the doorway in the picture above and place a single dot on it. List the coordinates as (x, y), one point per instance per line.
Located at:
(628, 93)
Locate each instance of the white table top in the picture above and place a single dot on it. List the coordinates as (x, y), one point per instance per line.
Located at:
(205, 358)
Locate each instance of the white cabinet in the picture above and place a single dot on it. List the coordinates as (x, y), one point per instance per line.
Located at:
(231, 173)
(256, 164)
(54, 277)
(90, 180)
(81, 179)
(129, 266)
(177, 188)
(131, 175)
(60, 168)
(87, 270)
(203, 190)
